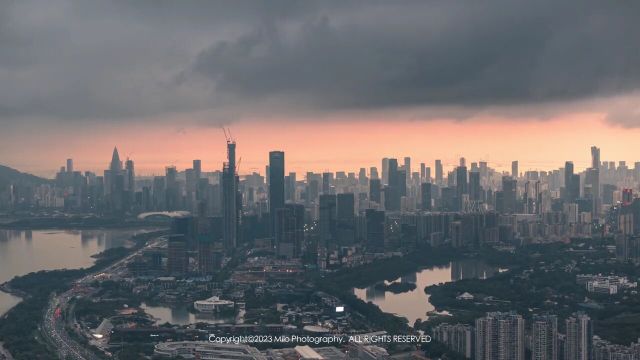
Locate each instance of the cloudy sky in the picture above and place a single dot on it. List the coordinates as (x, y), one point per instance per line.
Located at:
(336, 84)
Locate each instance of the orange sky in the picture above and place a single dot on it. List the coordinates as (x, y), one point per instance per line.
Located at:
(330, 144)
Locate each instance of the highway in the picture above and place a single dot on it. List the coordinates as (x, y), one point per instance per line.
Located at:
(53, 327)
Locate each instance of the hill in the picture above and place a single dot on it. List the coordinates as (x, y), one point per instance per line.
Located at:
(10, 176)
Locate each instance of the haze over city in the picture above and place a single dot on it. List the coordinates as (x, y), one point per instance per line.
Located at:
(319, 180)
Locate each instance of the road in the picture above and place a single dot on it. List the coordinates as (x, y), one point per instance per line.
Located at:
(4, 353)
(53, 327)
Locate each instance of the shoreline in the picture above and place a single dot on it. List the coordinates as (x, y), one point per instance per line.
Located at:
(6, 288)
(4, 353)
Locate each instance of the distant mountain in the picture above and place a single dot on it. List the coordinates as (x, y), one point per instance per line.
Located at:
(10, 176)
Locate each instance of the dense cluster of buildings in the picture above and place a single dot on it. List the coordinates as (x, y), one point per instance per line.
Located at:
(605, 284)
(330, 213)
(507, 336)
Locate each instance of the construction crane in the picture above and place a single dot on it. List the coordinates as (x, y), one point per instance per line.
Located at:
(227, 134)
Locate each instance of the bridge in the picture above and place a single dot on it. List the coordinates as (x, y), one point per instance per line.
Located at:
(163, 215)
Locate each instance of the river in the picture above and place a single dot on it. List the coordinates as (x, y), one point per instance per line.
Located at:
(26, 251)
(415, 304)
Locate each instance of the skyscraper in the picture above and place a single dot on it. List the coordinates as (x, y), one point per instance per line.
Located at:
(375, 220)
(69, 165)
(407, 168)
(514, 169)
(425, 196)
(508, 196)
(544, 337)
(327, 220)
(326, 182)
(474, 186)
(593, 179)
(374, 190)
(439, 172)
(385, 171)
(373, 172)
(289, 230)
(461, 184)
(579, 337)
(392, 193)
(569, 183)
(115, 184)
(595, 157)
(500, 336)
(276, 185)
(345, 219)
(197, 168)
(230, 198)
(177, 260)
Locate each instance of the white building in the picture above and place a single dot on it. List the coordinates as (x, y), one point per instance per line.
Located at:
(213, 305)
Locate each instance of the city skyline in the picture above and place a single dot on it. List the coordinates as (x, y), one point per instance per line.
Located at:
(311, 154)
(336, 180)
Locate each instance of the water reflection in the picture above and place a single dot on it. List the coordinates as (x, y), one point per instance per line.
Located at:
(26, 251)
(415, 304)
(180, 315)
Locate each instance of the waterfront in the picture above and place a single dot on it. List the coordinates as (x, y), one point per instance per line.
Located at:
(26, 251)
(180, 315)
(415, 304)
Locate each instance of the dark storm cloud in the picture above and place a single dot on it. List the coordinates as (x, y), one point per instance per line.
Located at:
(436, 53)
(139, 59)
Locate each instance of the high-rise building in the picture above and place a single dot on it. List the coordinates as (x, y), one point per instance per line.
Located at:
(375, 223)
(375, 190)
(500, 336)
(373, 173)
(507, 203)
(171, 188)
(326, 182)
(197, 168)
(514, 169)
(425, 196)
(578, 337)
(362, 177)
(593, 179)
(474, 186)
(458, 338)
(439, 174)
(289, 230)
(392, 194)
(345, 219)
(595, 157)
(290, 187)
(385, 171)
(327, 220)
(407, 168)
(115, 184)
(230, 206)
(571, 183)
(69, 165)
(276, 185)
(177, 260)
(461, 184)
(544, 337)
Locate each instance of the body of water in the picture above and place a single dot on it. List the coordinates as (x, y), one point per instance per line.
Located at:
(415, 304)
(26, 251)
(180, 315)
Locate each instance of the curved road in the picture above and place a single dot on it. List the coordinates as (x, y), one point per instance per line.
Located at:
(53, 327)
